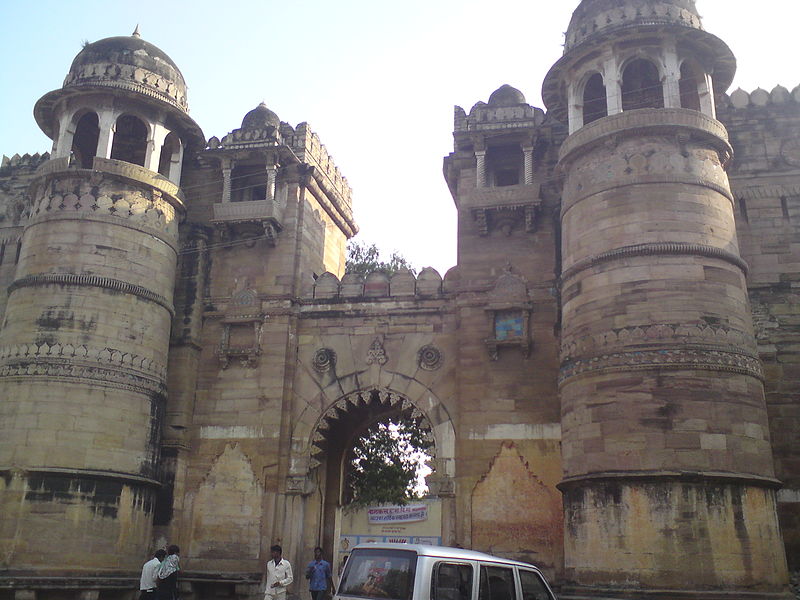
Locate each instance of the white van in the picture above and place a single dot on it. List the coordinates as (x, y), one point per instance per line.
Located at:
(416, 572)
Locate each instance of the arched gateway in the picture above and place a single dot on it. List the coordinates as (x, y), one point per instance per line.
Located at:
(323, 439)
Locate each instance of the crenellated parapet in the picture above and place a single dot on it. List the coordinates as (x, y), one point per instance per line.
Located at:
(761, 98)
(378, 285)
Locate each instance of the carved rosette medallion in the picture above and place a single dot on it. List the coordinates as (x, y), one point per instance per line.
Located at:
(324, 360)
(429, 358)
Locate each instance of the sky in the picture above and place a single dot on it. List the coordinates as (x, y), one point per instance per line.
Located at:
(376, 79)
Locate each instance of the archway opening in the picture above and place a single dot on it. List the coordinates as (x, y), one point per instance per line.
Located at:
(595, 105)
(641, 86)
(84, 142)
(130, 140)
(170, 154)
(374, 424)
(690, 86)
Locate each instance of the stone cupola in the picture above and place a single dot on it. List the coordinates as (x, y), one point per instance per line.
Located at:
(627, 54)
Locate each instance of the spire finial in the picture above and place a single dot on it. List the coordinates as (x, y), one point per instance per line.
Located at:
(136, 33)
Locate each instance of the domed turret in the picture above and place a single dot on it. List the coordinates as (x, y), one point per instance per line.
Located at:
(594, 18)
(611, 63)
(127, 67)
(506, 95)
(260, 117)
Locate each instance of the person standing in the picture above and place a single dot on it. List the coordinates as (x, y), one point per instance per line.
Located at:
(279, 575)
(318, 573)
(168, 575)
(149, 578)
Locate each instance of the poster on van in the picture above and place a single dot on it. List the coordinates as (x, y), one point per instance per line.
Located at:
(410, 513)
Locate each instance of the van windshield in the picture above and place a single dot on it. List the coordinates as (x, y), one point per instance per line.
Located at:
(379, 574)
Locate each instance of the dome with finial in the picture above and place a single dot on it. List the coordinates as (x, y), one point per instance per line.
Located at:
(595, 17)
(123, 65)
(506, 95)
(260, 117)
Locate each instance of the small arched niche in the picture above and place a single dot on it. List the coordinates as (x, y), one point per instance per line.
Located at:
(130, 140)
(84, 142)
(641, 86)
(691, 77)
(595, 103)
(170, 157)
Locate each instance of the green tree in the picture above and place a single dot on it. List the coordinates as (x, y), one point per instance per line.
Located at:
(363, 259)
(385, 464)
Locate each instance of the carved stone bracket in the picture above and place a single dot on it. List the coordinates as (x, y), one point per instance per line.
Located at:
(507, 219)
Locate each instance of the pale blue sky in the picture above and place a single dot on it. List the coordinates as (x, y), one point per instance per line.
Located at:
(377, 80)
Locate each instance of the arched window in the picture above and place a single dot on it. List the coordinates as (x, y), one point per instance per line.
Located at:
(130, 140)
(170, 153)
(84, 142)
(641, 86)
(595, 104)
(690, 86)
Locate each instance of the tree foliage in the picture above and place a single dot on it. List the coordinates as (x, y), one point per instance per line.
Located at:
(363, 259)
(385, 464)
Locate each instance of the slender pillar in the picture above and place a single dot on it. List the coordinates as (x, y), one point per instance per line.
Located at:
(226, 180)
(527, 152)
(480, 168)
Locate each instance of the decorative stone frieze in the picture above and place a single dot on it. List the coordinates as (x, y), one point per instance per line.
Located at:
(672, 334)
(92, 281)
(27, 353)
(655, 249)
(70, 371)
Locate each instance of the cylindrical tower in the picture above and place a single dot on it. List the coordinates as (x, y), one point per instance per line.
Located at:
(669, 488)
(84, 342)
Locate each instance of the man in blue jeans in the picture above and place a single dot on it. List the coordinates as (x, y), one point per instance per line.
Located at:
(318, 573)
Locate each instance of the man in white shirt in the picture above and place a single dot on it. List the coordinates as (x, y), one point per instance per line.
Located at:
(149, 579)
(279, 575)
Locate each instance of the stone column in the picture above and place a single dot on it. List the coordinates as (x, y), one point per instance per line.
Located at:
(154, 146)
(272, 171)
(226, 180)
(106, 122)
(672, 77)
(611, 78)
(480, 168)
(527, 152)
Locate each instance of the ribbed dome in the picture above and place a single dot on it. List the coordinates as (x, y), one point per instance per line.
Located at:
(260, 117)
(506, 95)
(127, 66)
(129, 62)
(594, 17)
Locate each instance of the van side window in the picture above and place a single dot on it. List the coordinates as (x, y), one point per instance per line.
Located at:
(497, 583)
(533, 588)
(452, 581)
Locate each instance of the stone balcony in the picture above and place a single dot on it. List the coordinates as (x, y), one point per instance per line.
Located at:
(242, 219)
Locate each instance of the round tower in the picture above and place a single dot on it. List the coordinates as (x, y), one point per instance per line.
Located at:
(669, 489)
(84, 342)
